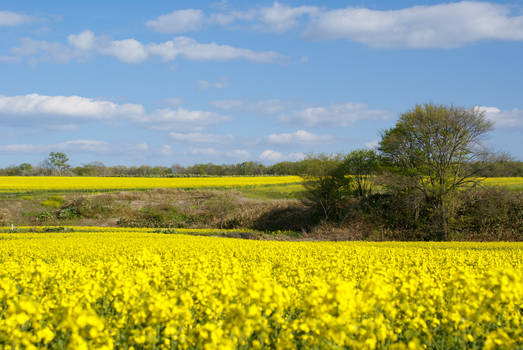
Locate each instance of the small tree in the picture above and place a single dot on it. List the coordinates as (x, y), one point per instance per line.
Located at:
(431, 146)
(58, 162)
(25, 169)
(361, 165)
(326, 186)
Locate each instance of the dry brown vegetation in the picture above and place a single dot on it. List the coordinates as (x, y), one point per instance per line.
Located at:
(162, 208)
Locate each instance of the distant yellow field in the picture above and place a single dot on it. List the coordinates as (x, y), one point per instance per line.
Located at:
(513, 183)
(72, 183)
(33, 183)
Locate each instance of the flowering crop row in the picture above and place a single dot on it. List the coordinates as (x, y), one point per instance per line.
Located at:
(32, 183)
(132, 289)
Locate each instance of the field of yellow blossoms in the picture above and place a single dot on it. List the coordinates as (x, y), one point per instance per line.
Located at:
(136, 289)
(86, 183)
(81, 183)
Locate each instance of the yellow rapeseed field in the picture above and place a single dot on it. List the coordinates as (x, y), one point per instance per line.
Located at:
(81, 183)
(137, 289)
(71, 183)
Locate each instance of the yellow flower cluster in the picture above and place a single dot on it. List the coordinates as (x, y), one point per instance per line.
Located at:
(143, 290)
(32, 183)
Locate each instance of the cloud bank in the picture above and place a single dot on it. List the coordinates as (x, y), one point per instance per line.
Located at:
(85, 45)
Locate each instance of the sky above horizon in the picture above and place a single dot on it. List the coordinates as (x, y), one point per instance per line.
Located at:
(185, 82)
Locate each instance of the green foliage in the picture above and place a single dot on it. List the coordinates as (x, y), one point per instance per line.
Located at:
(58, 162)
(362, 165)
(162, 215)
(429, 148)
(328, 188)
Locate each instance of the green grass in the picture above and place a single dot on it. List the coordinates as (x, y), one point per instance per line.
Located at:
(286, 191)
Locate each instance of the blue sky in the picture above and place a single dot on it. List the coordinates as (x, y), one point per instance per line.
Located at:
(164, 82)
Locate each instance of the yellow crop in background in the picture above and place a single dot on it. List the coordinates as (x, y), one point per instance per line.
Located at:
(120, 289)
(31, 183)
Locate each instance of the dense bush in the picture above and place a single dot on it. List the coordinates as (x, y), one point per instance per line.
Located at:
(479, 214)
(490, 214)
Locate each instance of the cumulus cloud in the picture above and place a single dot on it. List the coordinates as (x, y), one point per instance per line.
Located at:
(11, 19)
(179, 21)
(197, 137)
(274, 156)
(73, 107)
(50, 111)
(447, 25)
(195, 51)
(128, 51)
(41, 50)
(335, 115)
(85, 45)
(85, 40)
(232, 16)
(279, 18)
(503, 118)
(79, 146)
(298, 137)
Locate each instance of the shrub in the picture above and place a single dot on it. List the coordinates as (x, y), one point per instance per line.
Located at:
(489, 213)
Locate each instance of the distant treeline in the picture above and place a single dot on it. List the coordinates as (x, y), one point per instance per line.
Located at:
(308, 166)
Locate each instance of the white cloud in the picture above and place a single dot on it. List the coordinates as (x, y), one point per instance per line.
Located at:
(444, 25)
(128, 51)
(275, 156)
(85, 45)
(271, 106)
(299, 137)
(503, 118)
(195, 51)
(80, 47)
(56, 111)
(11, 19)
(23, 148)
(335, 115)
(279, 18)
(204, 151)
(75, 107)
(201, 138)
(179, 21)
(80, 146)
(239, 154)
(41, 50)
(205, 84)
(232, 16)
(447, 25)
(84, 41)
